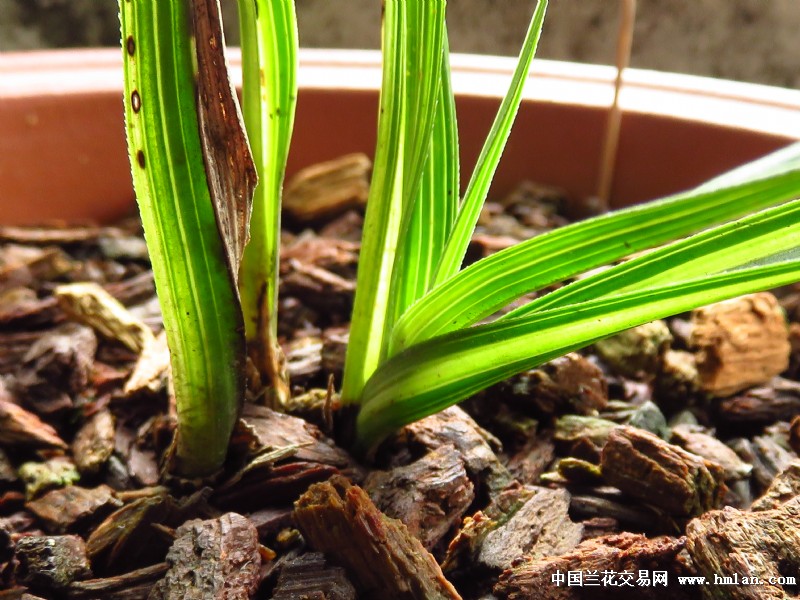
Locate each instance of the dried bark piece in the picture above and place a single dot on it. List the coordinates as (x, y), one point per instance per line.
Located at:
(134, 585)
(12, 528)
(336, 256)
(570, 383)
(647, 416)
(693, 439)
(329, 188)
(528, 463)
(770, 457)
(378, 552)
(740, 494)
(346, 227)
(137, 289)
(55, 235)
(677, 382)
(42, 476)
(740, 343)
(570, 428)
(11, 501)
(794, 435)
(539, 527)
(51, 562)
(783, 488)
(212, 559)
(124, 247)
(489, 244)
(151, 369)
(794, 342)
(779, 400)
(597, 507)
(512, 424)
(91, 305)
(454, 426)
(549, 201)
(263, 481)
(530, 519)
(18, 427)
(14, 345)
(269, 521)
(738, 544)
(8, 474)
(661, 474)
(296, 317)
(6, 541)
(274, 430)
(532, 579)
(316, 406)
(69, 508)
(319, 288)
(303, 358)
(334, 346)
(429, 496)
(106, 378)
(133, 456)
(94, 443)
(596, 527)
(24, 309)
(310, 577)
(58, 365)
(30, 266)
(129, 533)
(495, 223)
(762, 474)
(636, 352)
(579, 471)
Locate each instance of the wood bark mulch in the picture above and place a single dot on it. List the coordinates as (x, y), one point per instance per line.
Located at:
(670, 450)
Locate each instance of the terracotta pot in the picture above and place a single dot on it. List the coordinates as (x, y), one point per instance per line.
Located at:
(62, 153)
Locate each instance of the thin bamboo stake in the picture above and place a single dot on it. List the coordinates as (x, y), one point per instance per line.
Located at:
(611, 142)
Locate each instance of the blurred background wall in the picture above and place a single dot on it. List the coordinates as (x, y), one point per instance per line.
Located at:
(749, 40)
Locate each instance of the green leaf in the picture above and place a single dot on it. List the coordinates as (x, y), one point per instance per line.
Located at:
(481, 179)
(412, 46)
(192, 265)
(437, 373)
(490, 284)
(756, 239)
(436, 206)
(423, 39)
(446, 143)
(269, 94)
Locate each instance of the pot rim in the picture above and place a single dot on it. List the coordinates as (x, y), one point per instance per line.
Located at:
(63, 155)
(750, 106)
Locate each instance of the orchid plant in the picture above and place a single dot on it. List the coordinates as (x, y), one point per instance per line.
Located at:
(422, 334)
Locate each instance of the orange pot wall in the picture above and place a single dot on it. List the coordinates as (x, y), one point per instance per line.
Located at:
(62, 152)
(63, 159)
(654, 160)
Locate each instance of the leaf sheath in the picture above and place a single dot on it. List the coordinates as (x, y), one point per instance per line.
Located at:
(269, 93)
(199, 303)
